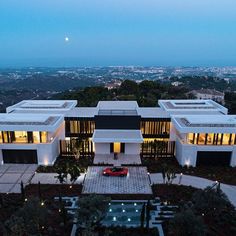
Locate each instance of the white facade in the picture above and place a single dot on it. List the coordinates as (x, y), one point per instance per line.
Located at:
(34, 126)
(187, 117)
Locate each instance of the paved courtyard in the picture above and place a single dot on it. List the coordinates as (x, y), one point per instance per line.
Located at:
(137, 182)
(11, 176)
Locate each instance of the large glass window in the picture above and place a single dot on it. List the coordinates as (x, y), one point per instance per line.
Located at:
(211, 139)
(36, 137)
(43, 137)
(201, 138)
(20, 137)
(155, 127)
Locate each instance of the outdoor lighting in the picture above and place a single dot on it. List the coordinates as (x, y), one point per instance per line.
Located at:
(42, 227)
(181, 174)
(42, 203)
(148, 173)
(122, 204)
(114, 218)
(123, 210)
(70, 186)
(202, 214)
(59, 210)
(26, 199)
(216, 182)
(135, 204)
(109, 203)
(165, 203)
(136, 210)
(129, 219)
(110, 210)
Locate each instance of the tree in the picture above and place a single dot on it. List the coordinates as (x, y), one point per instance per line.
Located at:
(170, 175)
(148, 209)
(22, 189)
(158, 147)
(74, 171)
(211, 201)
(186, 223)
(142, 216)
(61, 170)
(92, 209)
(28, 220)
(76, 147)
(39, 191)
(128, 87)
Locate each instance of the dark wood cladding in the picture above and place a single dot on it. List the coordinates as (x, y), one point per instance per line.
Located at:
(117, 122)
(148, 149)
(155, 128)
(76, 126)
(66, 148)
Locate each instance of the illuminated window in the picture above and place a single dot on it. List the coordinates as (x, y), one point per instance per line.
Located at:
(191, 138)
(201, 138)
(5, 136)
(210, 139)
(36, 137)
(20, 137)
(43, 137)
(226, 139)
(1, 137)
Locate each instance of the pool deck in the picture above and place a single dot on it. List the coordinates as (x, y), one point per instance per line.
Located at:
(137, 182)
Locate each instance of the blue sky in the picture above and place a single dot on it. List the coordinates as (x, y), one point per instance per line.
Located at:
(118, 32)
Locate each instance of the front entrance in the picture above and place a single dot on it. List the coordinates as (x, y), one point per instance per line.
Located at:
(117, 147)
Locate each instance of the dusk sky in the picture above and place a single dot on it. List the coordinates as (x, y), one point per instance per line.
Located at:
(117, 32)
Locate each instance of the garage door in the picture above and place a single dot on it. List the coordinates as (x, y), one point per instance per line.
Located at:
(20, 156)
(213, 158)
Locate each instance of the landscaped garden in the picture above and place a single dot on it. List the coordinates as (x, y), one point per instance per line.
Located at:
(222, 174)
(200, 212)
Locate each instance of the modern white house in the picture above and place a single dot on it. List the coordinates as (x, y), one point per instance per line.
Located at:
(30, 131)
(196, 132)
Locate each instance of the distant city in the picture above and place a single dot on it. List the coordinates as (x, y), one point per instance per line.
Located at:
(45, 82)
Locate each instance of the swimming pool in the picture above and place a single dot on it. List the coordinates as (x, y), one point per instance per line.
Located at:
(124, 213)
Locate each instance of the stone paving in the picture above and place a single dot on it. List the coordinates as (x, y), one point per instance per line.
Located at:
(136, 182)
(49, 178)
(122, 159)
(11, 176)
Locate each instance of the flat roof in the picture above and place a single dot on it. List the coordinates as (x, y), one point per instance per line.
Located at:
(82, 112)
(120, 136)
(193, 105)
(117, 105)
(152, 112)
(49, 106)
(205, 123)
(31, 122)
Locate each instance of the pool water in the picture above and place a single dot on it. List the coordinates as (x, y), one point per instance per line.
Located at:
(123, 214)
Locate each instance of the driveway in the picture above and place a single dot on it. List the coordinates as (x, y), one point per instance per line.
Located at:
(11, 176)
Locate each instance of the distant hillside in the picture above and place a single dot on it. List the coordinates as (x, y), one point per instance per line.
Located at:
(145, 93)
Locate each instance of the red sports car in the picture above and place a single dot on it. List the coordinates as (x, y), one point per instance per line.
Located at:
(115, 171)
